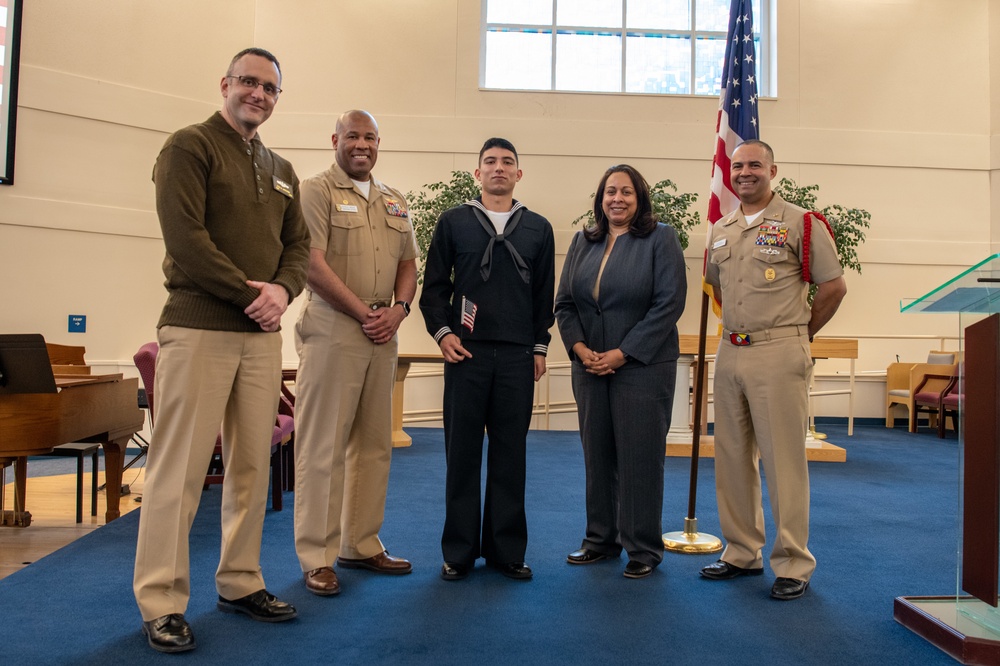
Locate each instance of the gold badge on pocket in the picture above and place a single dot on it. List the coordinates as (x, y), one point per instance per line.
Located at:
(769, 275)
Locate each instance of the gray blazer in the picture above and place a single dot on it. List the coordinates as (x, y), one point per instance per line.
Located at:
(643, 293)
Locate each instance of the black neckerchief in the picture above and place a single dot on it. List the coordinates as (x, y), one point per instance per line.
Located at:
(486, 263)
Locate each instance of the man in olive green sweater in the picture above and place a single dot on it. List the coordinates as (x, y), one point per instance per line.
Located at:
(237, 249)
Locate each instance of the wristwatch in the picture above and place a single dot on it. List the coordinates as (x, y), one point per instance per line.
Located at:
(406, 307)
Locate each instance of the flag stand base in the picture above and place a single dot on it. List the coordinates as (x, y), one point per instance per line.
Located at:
(690, 541)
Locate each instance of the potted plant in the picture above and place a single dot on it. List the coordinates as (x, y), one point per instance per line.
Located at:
(426, 207)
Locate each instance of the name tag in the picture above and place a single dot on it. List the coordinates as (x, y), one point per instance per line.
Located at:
(346, 208)
(719, 243)
(282, 186)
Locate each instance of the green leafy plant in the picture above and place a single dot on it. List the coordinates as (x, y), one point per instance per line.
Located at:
(848, 224)
(668, 207)
(426, 207)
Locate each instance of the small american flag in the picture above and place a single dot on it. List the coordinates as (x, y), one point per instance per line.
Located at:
(468, 314)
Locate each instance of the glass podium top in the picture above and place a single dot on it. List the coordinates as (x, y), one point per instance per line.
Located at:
(974, 290)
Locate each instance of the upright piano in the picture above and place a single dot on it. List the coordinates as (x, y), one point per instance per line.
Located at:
(66, 404)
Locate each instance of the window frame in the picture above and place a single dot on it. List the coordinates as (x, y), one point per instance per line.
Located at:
(765, 25)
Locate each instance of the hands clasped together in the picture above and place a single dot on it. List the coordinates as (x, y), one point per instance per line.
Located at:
(380, 325)
(270, 304)
(599, 363)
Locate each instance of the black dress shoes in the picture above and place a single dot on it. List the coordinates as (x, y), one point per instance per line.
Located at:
(788, 588)
(170, 633)
(261, 606)
(515, 570)
(637, 569)
(452, 571)
(586, 556)
(724, 571)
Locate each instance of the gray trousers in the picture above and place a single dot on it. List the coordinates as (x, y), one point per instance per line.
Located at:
(624, 419)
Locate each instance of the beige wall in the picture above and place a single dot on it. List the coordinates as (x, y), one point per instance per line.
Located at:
(890, 105)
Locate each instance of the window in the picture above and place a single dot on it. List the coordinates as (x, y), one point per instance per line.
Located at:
(667, 47)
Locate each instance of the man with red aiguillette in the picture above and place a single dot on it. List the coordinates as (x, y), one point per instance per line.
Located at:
(761, 259)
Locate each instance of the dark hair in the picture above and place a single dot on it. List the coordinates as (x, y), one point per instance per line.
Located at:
(642, 223)
(758, 142)
(253, 50)
(497, 142)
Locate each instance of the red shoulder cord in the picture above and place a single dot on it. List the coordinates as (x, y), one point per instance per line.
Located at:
(807, 237)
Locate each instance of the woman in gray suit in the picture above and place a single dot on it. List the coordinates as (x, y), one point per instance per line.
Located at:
(623, 288)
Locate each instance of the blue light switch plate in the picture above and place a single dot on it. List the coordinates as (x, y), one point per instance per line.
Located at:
(78, 323)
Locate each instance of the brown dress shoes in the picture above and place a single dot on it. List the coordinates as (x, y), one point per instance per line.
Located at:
(322, 581)
(383, 563)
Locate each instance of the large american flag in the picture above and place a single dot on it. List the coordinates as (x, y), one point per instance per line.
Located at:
(737, 120)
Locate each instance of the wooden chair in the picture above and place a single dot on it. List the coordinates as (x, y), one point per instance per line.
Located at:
(902, 379)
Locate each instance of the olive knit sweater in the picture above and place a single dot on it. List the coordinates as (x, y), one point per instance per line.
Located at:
(229, 211)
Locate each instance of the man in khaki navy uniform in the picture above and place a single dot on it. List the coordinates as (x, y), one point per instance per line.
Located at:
(362, 253)
(763, 257)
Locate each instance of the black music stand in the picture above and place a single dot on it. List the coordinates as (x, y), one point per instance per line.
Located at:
(25, 365)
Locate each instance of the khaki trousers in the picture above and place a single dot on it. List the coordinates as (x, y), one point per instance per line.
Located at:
(343, 436)
(205, 379)
(761, 409)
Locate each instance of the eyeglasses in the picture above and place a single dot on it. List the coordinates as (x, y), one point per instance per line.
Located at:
(250, 83)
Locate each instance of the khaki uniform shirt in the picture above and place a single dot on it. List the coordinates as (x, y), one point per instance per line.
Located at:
(364, 239)
(759, 267)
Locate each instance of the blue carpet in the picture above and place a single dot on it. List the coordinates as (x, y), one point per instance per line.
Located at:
(884, 524)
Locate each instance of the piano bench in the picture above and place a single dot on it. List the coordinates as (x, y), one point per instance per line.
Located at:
(78, 450)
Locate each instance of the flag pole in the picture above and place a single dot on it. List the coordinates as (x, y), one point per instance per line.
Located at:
(690, 540)
(737, 120)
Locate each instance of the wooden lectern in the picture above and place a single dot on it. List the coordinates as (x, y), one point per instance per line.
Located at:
(966, 625)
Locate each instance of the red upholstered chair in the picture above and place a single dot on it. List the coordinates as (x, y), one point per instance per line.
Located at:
(951, 402)
(145, 362)
(928, 395)
(286, 408)
(902, 380)
(280, 436)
